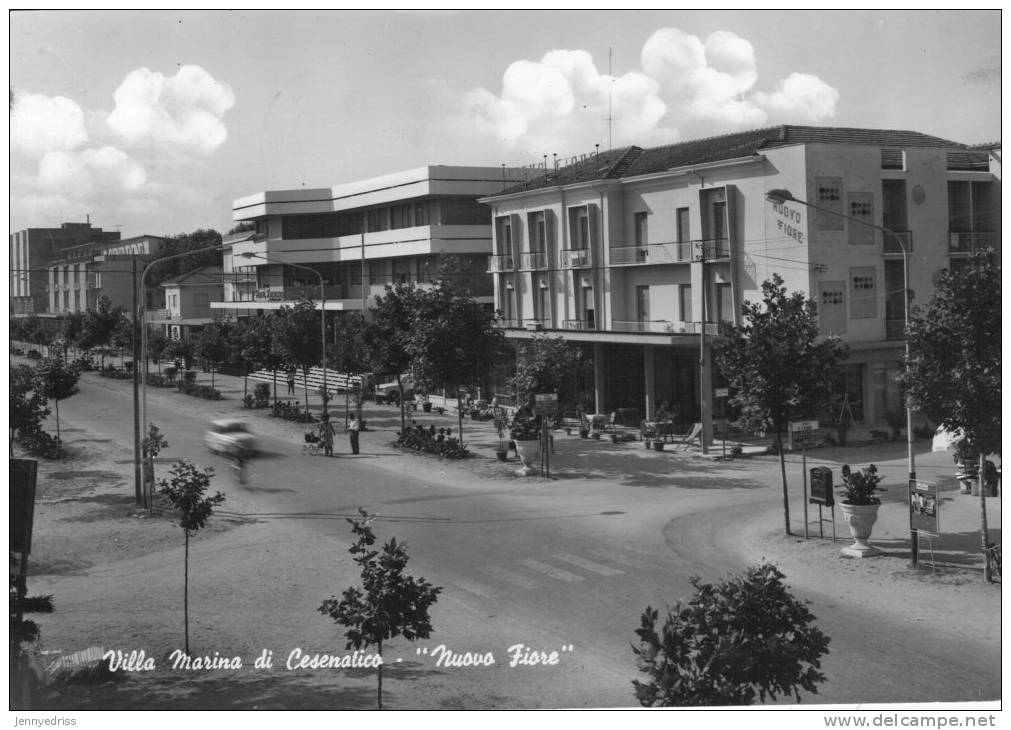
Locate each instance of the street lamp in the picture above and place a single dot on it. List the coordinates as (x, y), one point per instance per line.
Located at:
(322, 306)
(780, 196)
(143, 339)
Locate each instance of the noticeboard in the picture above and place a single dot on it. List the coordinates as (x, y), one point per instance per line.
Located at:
(924, 508)
(545, 403)
(22, 503)
(804, 435)
(821, 486)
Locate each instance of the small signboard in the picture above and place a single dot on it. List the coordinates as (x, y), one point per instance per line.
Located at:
(722, 392)
(924, 508)
(821, 486)
(546, 403)
(805, 435)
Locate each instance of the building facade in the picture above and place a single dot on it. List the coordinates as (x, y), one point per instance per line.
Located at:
(85, 273)
(32, 250)
(360, 237)
(188, 300)
(638, 254)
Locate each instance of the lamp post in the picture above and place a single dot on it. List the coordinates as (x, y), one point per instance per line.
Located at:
(780, 196)
(322, 313)
(143, 338)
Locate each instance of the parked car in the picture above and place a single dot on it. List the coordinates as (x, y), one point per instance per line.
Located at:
(228, 436)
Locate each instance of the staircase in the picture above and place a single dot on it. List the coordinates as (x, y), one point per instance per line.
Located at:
(335, 382)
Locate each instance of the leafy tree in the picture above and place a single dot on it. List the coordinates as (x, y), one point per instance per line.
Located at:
(213, 345)
(23, 631)
(739, 639)
(185, 489)
(547, 364)
(297, 340)
(100, 324)
(73, 328)
(452, 341)
(778, 366)
(27, 408)
(385, 338)
(254, 342)
(181, 243)
(388, 604)
(156, 344)
(150, 447)
(179, 350)
(349, 356)
(954, 367)
(57, 380)
(122, 337)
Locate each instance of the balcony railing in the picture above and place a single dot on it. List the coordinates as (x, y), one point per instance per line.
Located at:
(712, 249)
(510, 322)
(967, 242)
(652, 253)
(500, 262)
(895, 328)
(536, 323)
(535, 260)
(578, 324)
(656, 326)
(895, 243)
(573, 258)
(295, 293)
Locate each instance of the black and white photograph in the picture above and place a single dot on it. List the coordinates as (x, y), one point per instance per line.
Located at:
(486, 360)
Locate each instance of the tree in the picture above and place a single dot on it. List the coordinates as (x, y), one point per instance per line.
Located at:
(254, 343)
(452, 341)
(954, 368)
(73, 328)
(185, 489)
(388, 604)
(384, 338)
(100, 324)
(181, 243)
(297, 340)
(150, 447)
(122, 337)
(57, 380)
(27, 404)
(213, 345)
(23, 631)
(156, 344)
(778, 366)
(741, 638)
(179, 350)
(547, 364)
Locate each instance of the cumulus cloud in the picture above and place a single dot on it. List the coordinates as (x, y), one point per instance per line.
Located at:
(183, 111)
(41, 124)
(686, 83)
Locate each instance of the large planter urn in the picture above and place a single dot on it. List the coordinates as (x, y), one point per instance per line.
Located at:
(861, 519)
(529, 453)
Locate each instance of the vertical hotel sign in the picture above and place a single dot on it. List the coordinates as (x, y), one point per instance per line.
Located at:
(788, 222)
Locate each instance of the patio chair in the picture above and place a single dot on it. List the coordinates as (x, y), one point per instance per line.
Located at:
(694, 435)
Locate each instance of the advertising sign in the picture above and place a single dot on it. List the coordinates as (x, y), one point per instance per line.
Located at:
(546, 403)
(22, 504)
(924, 508)
(804, 435)
(821, 486)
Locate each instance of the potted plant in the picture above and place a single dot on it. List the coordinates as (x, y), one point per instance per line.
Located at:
(860, 505)
(526, 434)
(658, 445)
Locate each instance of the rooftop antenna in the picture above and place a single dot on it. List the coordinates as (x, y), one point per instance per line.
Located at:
(610, 114)
(554, 156)
(597, 146)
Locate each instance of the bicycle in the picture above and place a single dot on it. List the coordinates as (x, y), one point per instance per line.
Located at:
(992, 556)
(311, 449)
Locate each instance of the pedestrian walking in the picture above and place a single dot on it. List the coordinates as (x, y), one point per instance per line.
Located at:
(326, 435)
(239, 458)
(291, 381)
(353, 429)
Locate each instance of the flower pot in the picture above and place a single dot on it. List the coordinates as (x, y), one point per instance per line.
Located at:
(502, 455)
(861, 519)
(649, 444)
(658, 445)
(529, 453)
(584, 433)
(426, 407)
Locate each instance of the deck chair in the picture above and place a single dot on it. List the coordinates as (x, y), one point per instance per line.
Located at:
(695, 434)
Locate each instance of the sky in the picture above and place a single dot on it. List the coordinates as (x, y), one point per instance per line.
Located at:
(154, 122)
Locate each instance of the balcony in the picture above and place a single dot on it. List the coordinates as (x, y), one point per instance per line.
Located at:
(535, 260)
(968, 242)
(536, 324)
(711, 249)
(576, 258)
(499, 263)
(509, 322)
(296, 293)
(895, 244)
(578, 324)
(655, 326)
(652, 253)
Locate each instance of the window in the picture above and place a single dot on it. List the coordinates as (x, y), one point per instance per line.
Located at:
(504, 234)
(832, 307)
(863, 293)
(378, 219)
(544, 303)
(641, 234)
(719, 220)
(401, 216)
(421, 214)
(724, 303)
(861, 207)
(828, 192)
(579, 226)
(642, 303)
(685, 302)
(684, 230)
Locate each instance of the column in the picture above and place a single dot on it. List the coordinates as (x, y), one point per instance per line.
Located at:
(650, 381)
(598, 377)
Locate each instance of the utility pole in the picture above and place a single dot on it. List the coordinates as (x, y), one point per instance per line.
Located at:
(137, 478)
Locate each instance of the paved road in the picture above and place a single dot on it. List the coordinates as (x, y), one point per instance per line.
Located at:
(547, 564)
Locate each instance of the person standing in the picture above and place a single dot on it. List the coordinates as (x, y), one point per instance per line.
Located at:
(353, 429)
(291, 381)
(326, 435)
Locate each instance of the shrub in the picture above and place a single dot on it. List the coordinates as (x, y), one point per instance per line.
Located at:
(40, 443)
(291, 411)
(198, 391)
(743, 638)
(425, 441)
(859, 487)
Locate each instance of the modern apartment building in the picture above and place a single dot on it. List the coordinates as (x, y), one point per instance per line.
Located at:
(83, 274)
(32, 250)
(637, 254)
(360, 237)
